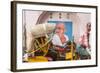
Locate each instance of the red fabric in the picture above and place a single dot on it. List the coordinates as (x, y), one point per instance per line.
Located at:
(61, 50)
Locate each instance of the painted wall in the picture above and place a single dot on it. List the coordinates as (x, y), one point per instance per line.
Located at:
(79, 21)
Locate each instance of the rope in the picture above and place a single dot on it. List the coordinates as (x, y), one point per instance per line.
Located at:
(40, 47)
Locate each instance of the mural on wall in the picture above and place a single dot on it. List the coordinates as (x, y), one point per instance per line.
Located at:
(68, 27)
